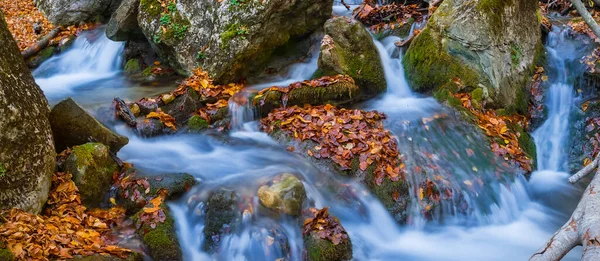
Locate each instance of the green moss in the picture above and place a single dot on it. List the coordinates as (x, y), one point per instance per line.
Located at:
(132, 66)
(148, 71)
(494, 10)
(197, 123)
(526, 142)
(429, 66)
(5, 254)
(152, 7)
(85, 153)
(232, 31)
(321, 249)
(162, 240)
(516, 54)
(520, 103)
(477, 94)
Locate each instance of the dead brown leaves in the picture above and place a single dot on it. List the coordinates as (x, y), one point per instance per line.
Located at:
(201, 82)
(66, 228)
(166, 119)
(21, 15)
(386, 16)
(504, 139)
(324, 226)
(341, 136)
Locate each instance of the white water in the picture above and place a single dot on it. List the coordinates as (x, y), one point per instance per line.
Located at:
(509, 220)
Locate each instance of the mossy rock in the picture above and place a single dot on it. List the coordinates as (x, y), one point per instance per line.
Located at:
(324, 250)
(221, 213)
(132, 66)
(134, 256)
(285, 194)
(5, 254)
(41, 57)
(197, 124)
(92, 167)
(161, 241)
(348, 49)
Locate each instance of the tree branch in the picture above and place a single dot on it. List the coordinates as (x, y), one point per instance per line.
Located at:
(586, 170)
(587, 17)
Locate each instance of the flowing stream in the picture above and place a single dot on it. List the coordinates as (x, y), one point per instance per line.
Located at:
(505, 218)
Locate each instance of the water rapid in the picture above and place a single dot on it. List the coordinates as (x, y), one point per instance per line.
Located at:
(507, 218)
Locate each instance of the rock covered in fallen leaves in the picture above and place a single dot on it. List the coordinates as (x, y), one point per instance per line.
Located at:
(156, 226)
(27, 155)
(65, 230)
(69, 12)
(336, 90)
(325, 238)
(348, 49)
(347, 142)
(222, 216)
(227, 38)
(72, 126)
(92, 167)
(135, 188)
(284, 194)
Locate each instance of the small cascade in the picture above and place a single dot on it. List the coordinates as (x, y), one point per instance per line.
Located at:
(92, 57)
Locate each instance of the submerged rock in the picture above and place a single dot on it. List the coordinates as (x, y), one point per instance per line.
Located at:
(92, 167)
(348, 48)
(72, 125)
(491, 44)
(27, 155)
(222, 215)
(68, 12)
(285, 194)
(226, 38)
(132, 66)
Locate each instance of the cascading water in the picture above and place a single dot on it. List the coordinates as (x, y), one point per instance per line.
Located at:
(507, 219)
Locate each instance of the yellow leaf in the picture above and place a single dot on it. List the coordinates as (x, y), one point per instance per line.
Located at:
(113, 201)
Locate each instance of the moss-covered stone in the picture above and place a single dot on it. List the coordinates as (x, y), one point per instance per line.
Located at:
(221, 213)
(132, 66)
(134, 256)
(5, 254)
(348, 49)
(161, 241)
(92, 168)
(324, 250)
(286, 194)
(197, 123)
(41, 57)
(151, 7)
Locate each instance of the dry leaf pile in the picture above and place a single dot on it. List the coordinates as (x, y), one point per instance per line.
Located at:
(166, 119)
(201, 82)
(22, 15)
(324, 226)
(341, 136)
(386, 16)
(66, 229)
(505, 140)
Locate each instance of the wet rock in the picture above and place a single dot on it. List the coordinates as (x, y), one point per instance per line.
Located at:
(348, 48)
(150, 128)
(92, 167)
(401, 30)
(197, 124)
(132, 257)
(337, 90)
(123, 23)
(222, 215)
(227, 38)
(490, 44)
(161, 240)
(72, 125)
(132, 66)
(182, 106)
(326, 239)
(141, 50)
(41, 57)
(284, 194)
(146, 106)
(66, 43)
(69, 12)
(27, 155)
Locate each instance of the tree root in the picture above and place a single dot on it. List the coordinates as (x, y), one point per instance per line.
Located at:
(41, 44)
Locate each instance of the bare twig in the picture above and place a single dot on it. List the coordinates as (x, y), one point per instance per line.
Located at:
(586, 170)
(345, 5)
(587, 17)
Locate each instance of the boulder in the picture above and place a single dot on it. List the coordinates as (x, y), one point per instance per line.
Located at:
(325, 238)
(72, 126)
(492, 44)
(226, 38)
(27, 155)
(132, 66)
(348, 48)
(284, 194)
(92, 167)
(222, 215)
(123, 23)
(68, 12)
(160, 237)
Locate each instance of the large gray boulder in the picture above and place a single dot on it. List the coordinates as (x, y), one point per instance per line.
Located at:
(27, 157)
(68, 12)
(491, 44)
(227, 38)
(123, 23)
(72, 126)
(348, 48)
